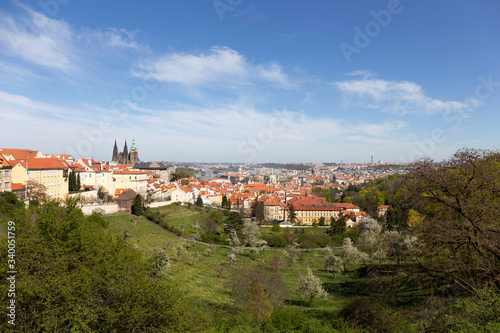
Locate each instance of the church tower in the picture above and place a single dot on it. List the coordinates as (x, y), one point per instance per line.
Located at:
(125, 159)
(115, 153)
(134, 155)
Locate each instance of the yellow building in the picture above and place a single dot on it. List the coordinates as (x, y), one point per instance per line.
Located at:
(51, 173)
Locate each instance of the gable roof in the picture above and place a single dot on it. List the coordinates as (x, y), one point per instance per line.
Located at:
(127, 195)
(41, 163)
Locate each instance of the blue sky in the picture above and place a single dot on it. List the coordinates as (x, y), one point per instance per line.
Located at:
(251, 80)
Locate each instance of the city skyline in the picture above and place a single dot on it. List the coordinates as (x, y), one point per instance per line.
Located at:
(251, 81)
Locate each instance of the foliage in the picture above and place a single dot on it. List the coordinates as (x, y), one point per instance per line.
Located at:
(199, 201)
(258, 211)
(460, 200)
(234, 221)
(159, 261)
(311, 287)
(292, 215)
(333, 263)
(292, 252)
(72, 277)
(251, 232)
(351, 254)
(138, 206)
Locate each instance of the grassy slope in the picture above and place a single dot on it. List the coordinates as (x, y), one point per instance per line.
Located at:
(201, 281)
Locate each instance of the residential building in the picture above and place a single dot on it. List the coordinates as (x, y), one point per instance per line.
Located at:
(52, 173)
(5, 174)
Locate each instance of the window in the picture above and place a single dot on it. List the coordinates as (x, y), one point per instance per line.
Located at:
(29, 174)
(37, 174)
(7, 184)
(7, 173)
(44, 173)
(58, 183)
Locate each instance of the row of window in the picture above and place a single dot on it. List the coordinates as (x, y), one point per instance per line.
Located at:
(5, 185)
(56, 173)
(51, 183)
(6, 173)
(54, 193)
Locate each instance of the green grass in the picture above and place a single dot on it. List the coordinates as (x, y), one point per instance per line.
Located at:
(145, 235)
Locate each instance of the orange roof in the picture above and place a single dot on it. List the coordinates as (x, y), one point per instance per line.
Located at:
(119, 191)
(3, 162)
(20, 154)
(41, 163)
(16, 187)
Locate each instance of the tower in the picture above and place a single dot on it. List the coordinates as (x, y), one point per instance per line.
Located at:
(134, 155)
(372, 157)
(115, 153)
(125, 159)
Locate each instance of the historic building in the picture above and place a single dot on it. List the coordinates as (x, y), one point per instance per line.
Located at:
(126, 157)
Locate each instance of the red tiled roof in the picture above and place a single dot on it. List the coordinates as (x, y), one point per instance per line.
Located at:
(16, 187)
(41, 163)
(20, 154)
(4, 163)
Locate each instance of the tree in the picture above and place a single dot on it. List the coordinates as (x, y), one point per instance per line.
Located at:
(259, 306)
(459, 200)
(138, 205)
(321, 222)
(209, 249)
(233, 221)
(72, 181)
(258, 288)
(234, 241)
(224, 202)
(258, 211)
(333, 263)
(199, 201)
(78, 182)
(310, 287)
(36, 191)
(351, 254)
(292, 252)
(370, 225)
(397, 217)
(179, 251)
(252, 233)
(159, 261)
(292, 216)
(398, 246)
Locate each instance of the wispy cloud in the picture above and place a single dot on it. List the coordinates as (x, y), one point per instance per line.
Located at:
(221, 66)
(397, 97)
(38, 39)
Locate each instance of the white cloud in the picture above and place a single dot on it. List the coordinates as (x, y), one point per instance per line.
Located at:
(397, 97)
(39, 39)
(222, 66)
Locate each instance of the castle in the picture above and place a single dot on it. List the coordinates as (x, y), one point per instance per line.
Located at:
(125, 157)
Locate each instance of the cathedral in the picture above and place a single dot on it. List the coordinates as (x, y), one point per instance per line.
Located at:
(126, 157)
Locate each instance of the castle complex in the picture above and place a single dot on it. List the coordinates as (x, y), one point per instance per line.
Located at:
(126, 157)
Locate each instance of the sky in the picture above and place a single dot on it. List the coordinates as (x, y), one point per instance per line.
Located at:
(251, 81)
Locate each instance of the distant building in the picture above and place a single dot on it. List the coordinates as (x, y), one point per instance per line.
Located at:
(125, 200)
(126, 157)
